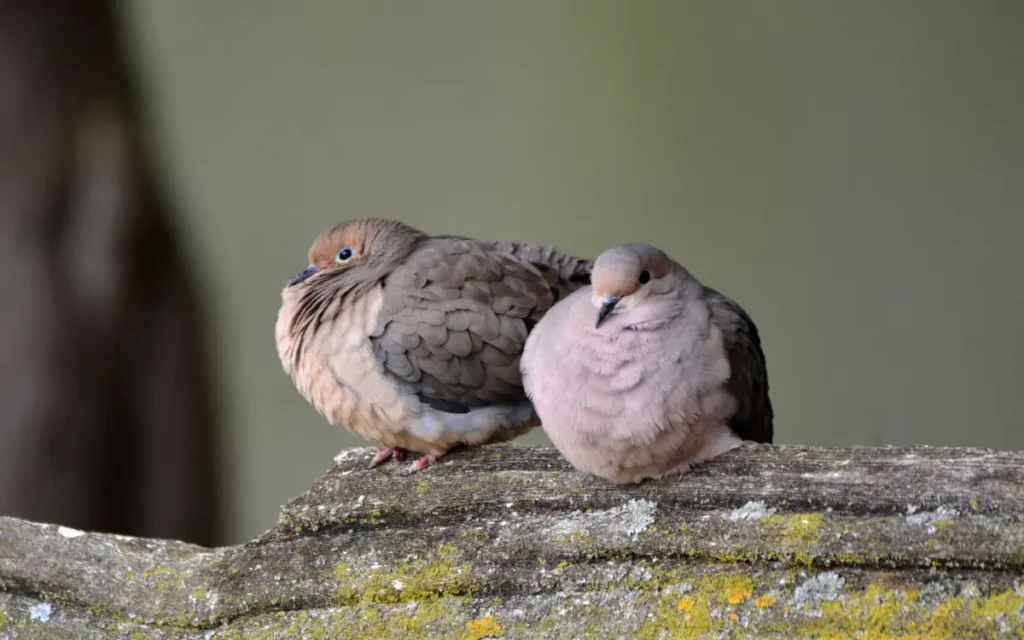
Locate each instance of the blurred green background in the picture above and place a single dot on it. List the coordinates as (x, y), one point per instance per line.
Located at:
(851, 172)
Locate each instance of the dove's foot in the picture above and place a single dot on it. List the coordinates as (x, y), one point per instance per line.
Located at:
(384, 453)
(426, 460)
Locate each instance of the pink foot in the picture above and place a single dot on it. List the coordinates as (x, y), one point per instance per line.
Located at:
(428, 459)
(384, 453)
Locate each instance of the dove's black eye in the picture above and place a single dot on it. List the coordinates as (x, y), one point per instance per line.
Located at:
(645, 276)
(344, 255)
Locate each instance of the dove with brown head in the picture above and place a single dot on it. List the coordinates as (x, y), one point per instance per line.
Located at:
(413, 341)
(646, 371)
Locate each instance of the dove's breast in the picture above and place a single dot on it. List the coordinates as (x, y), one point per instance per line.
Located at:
(333, 366)
(625, 403)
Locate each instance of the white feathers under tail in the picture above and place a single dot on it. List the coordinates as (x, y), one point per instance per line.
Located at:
(475, 427)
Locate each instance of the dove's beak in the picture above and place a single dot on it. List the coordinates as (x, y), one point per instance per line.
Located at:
(302, 276)
(607, 304)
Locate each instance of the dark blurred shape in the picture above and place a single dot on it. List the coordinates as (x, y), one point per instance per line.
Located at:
(106, 420)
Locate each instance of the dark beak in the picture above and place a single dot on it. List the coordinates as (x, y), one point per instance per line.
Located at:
(606, 307)
(302, 276)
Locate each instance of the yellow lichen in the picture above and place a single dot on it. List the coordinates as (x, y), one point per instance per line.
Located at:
(739, 594)
(941, 615)
(878, 612)
(874, 612)
(422, 488)
(483, 627)
(765, 601)
(732, 589)
(689, 617)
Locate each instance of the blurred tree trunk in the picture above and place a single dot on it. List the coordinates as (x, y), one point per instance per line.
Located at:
(105, 411)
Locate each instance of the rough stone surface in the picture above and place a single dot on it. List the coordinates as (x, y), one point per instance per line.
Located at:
(507, 541)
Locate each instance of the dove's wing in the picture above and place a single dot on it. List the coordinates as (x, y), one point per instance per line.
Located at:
(454, 320)
(564, 271)
(749, 379)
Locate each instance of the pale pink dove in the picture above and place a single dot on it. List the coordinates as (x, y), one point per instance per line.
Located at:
(413, 341)
(646, 372)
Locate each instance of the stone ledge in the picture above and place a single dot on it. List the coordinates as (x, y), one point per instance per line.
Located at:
(509, 541)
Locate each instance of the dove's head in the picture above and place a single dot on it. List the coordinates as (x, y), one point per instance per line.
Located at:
(626, 275)
(344, 263)
(365, 246)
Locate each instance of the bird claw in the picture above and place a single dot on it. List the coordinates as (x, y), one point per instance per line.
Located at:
(385, 453)
(425, 461)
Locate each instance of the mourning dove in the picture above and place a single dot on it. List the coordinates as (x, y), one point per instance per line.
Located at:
(413, 341)
(646, 372)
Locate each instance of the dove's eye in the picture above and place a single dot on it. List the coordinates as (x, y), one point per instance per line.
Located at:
(344, 255)
(645, 276)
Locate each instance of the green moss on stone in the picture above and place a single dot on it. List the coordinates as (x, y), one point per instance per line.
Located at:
(796, 534)
(372, 518)
(441, 574)
(582, 538)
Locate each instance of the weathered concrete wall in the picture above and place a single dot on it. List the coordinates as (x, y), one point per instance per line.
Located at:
(507, 541)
